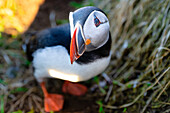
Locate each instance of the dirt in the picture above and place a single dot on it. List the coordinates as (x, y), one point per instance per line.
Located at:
(72, 104)
(61, 9)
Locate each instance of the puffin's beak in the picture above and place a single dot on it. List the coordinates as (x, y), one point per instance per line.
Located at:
(78, 44)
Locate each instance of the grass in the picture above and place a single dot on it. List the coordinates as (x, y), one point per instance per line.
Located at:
(2, 103)
(19, 89)
(139, 68)
(101, 109)
(82, 4)
(2, 82)
(64, 21)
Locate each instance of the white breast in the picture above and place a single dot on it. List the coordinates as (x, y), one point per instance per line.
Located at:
(55, 62)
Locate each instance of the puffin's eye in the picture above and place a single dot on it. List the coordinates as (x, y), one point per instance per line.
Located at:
(96, 21)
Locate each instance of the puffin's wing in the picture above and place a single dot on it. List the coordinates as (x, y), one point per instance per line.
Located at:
(59, 35)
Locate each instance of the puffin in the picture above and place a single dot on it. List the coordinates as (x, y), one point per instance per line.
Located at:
(74, 52)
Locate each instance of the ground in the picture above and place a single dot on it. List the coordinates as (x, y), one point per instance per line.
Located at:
(139, 68)
(27, 91)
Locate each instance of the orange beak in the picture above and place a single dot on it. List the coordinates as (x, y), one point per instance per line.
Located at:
(73, 50)
(78, 43)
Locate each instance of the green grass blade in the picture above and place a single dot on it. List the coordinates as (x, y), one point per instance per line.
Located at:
(2, 103)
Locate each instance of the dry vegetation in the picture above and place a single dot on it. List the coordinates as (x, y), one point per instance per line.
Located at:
(140, 66)
(139, 69)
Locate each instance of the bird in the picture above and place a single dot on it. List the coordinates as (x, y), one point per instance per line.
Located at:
(74, 52)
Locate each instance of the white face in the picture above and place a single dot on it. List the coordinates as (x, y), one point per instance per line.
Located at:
(97, 32)
(71, 23)
(96, 28)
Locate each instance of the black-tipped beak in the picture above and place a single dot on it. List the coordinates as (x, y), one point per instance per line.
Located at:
(78, 44)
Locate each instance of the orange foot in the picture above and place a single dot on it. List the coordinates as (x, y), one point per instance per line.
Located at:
(74, 88)
(52, 102)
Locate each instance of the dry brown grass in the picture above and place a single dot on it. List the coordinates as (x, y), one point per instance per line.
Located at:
(139, 67)
(141, 55)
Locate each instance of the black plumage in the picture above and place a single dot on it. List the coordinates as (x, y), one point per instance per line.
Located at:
(59, 35)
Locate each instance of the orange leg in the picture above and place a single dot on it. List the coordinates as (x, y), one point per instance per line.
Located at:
(52, 102)
(74, 88)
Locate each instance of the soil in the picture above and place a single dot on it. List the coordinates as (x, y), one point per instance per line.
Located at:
(61, 9)
(72, 104)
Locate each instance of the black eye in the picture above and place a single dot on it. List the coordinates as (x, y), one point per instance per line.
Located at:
(96, 21)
